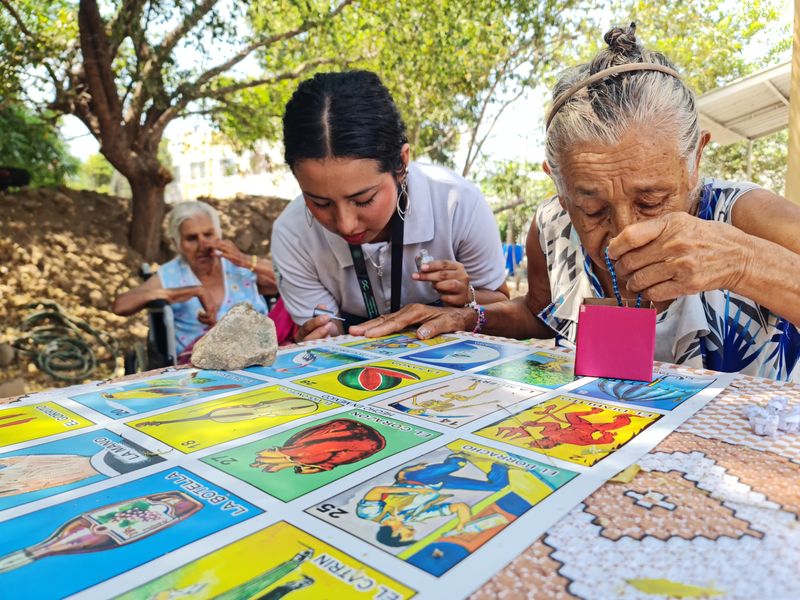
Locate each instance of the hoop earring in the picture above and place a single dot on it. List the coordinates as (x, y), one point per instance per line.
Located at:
(309, 217)
(402, 198)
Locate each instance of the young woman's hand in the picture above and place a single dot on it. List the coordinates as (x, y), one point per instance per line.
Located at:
(433, 321)
(449, 278)
(319, 327)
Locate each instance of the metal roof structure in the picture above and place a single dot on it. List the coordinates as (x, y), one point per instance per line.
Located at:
(748, 108)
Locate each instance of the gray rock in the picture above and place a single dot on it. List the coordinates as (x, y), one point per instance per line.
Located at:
(6, 354)
(243, 337)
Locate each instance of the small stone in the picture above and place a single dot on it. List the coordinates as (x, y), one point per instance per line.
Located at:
(97, 298)
(243, 337)
(6, 354)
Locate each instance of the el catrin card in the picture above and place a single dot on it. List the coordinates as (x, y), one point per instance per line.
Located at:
(273, 563)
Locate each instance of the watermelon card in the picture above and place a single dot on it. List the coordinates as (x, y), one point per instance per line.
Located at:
(370, 379)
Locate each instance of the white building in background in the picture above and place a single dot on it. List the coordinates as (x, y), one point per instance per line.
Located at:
(203, 165)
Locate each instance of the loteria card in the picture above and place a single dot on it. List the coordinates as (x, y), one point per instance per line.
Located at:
(60, 550)
(210, 423)
(55, 467)
(666, 392)
(542, 369)
(273, 563)
(303, 362)
(466, 354)
(434, 511)
(370, 379)
(397, 343)
(290, 464)
(166, 390)
(457, 401)
(572, 429)
(25, 423)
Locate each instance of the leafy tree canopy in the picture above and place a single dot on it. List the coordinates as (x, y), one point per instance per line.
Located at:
(32, 143)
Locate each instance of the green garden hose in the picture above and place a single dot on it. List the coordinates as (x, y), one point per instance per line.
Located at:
(60, 345)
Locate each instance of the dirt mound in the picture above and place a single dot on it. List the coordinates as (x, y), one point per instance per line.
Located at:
(71, 247)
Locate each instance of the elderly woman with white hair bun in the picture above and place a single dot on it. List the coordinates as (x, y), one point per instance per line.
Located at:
(207, 277)
(718, 259)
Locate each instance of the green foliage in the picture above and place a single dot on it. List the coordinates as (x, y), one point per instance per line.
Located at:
(95, 174)
(447, 70)
(767, 162)
(31, 143)
(521, 186)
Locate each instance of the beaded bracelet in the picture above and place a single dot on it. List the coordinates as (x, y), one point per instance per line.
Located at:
(615, 284)
(481, 314)
(253, 262)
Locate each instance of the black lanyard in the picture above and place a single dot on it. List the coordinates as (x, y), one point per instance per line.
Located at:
(364, 283)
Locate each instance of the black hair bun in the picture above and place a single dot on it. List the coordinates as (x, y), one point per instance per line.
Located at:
(620, 40)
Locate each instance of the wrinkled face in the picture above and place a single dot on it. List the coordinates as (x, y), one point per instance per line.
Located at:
(607, 188)
(349, 197)
(196, 233)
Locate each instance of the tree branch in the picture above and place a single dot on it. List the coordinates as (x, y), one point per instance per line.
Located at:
(278, 37)
(508, 205)
(169, 42)
(129, 12)
(437, 144)
(28, 33)
(100, 85)
(243, 85)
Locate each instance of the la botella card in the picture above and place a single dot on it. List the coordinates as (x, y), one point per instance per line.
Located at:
(613, 341)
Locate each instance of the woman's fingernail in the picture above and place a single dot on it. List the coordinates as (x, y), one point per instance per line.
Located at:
(423, 332)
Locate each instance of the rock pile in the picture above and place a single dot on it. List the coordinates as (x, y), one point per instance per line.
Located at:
(71, 247)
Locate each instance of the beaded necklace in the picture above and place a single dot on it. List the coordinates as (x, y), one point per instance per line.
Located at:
(615, 284)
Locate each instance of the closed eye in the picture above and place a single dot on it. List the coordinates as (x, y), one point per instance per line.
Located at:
(364, 203)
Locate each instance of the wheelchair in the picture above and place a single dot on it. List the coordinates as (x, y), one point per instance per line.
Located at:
(158, 351)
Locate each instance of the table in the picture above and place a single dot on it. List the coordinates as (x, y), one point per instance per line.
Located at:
(712, 510)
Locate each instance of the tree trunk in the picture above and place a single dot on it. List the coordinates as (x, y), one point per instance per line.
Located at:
(147, 215)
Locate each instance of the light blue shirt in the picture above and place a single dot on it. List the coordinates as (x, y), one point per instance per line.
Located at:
(240, 286)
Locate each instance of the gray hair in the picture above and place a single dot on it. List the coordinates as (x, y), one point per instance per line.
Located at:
(607, 109)
(189, 210)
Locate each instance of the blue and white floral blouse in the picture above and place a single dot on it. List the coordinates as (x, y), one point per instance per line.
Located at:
(240, 286)
(717, 330)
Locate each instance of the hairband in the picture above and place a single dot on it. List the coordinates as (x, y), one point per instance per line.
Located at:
(641, 66)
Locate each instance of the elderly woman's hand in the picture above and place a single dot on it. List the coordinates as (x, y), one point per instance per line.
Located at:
(678, 254)
(435, 321)
(227, 249)
(449, 278)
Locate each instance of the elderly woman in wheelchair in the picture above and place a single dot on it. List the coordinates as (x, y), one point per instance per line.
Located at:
(207, 277)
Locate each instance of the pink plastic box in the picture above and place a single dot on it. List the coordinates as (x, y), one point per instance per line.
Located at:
(616, 342)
